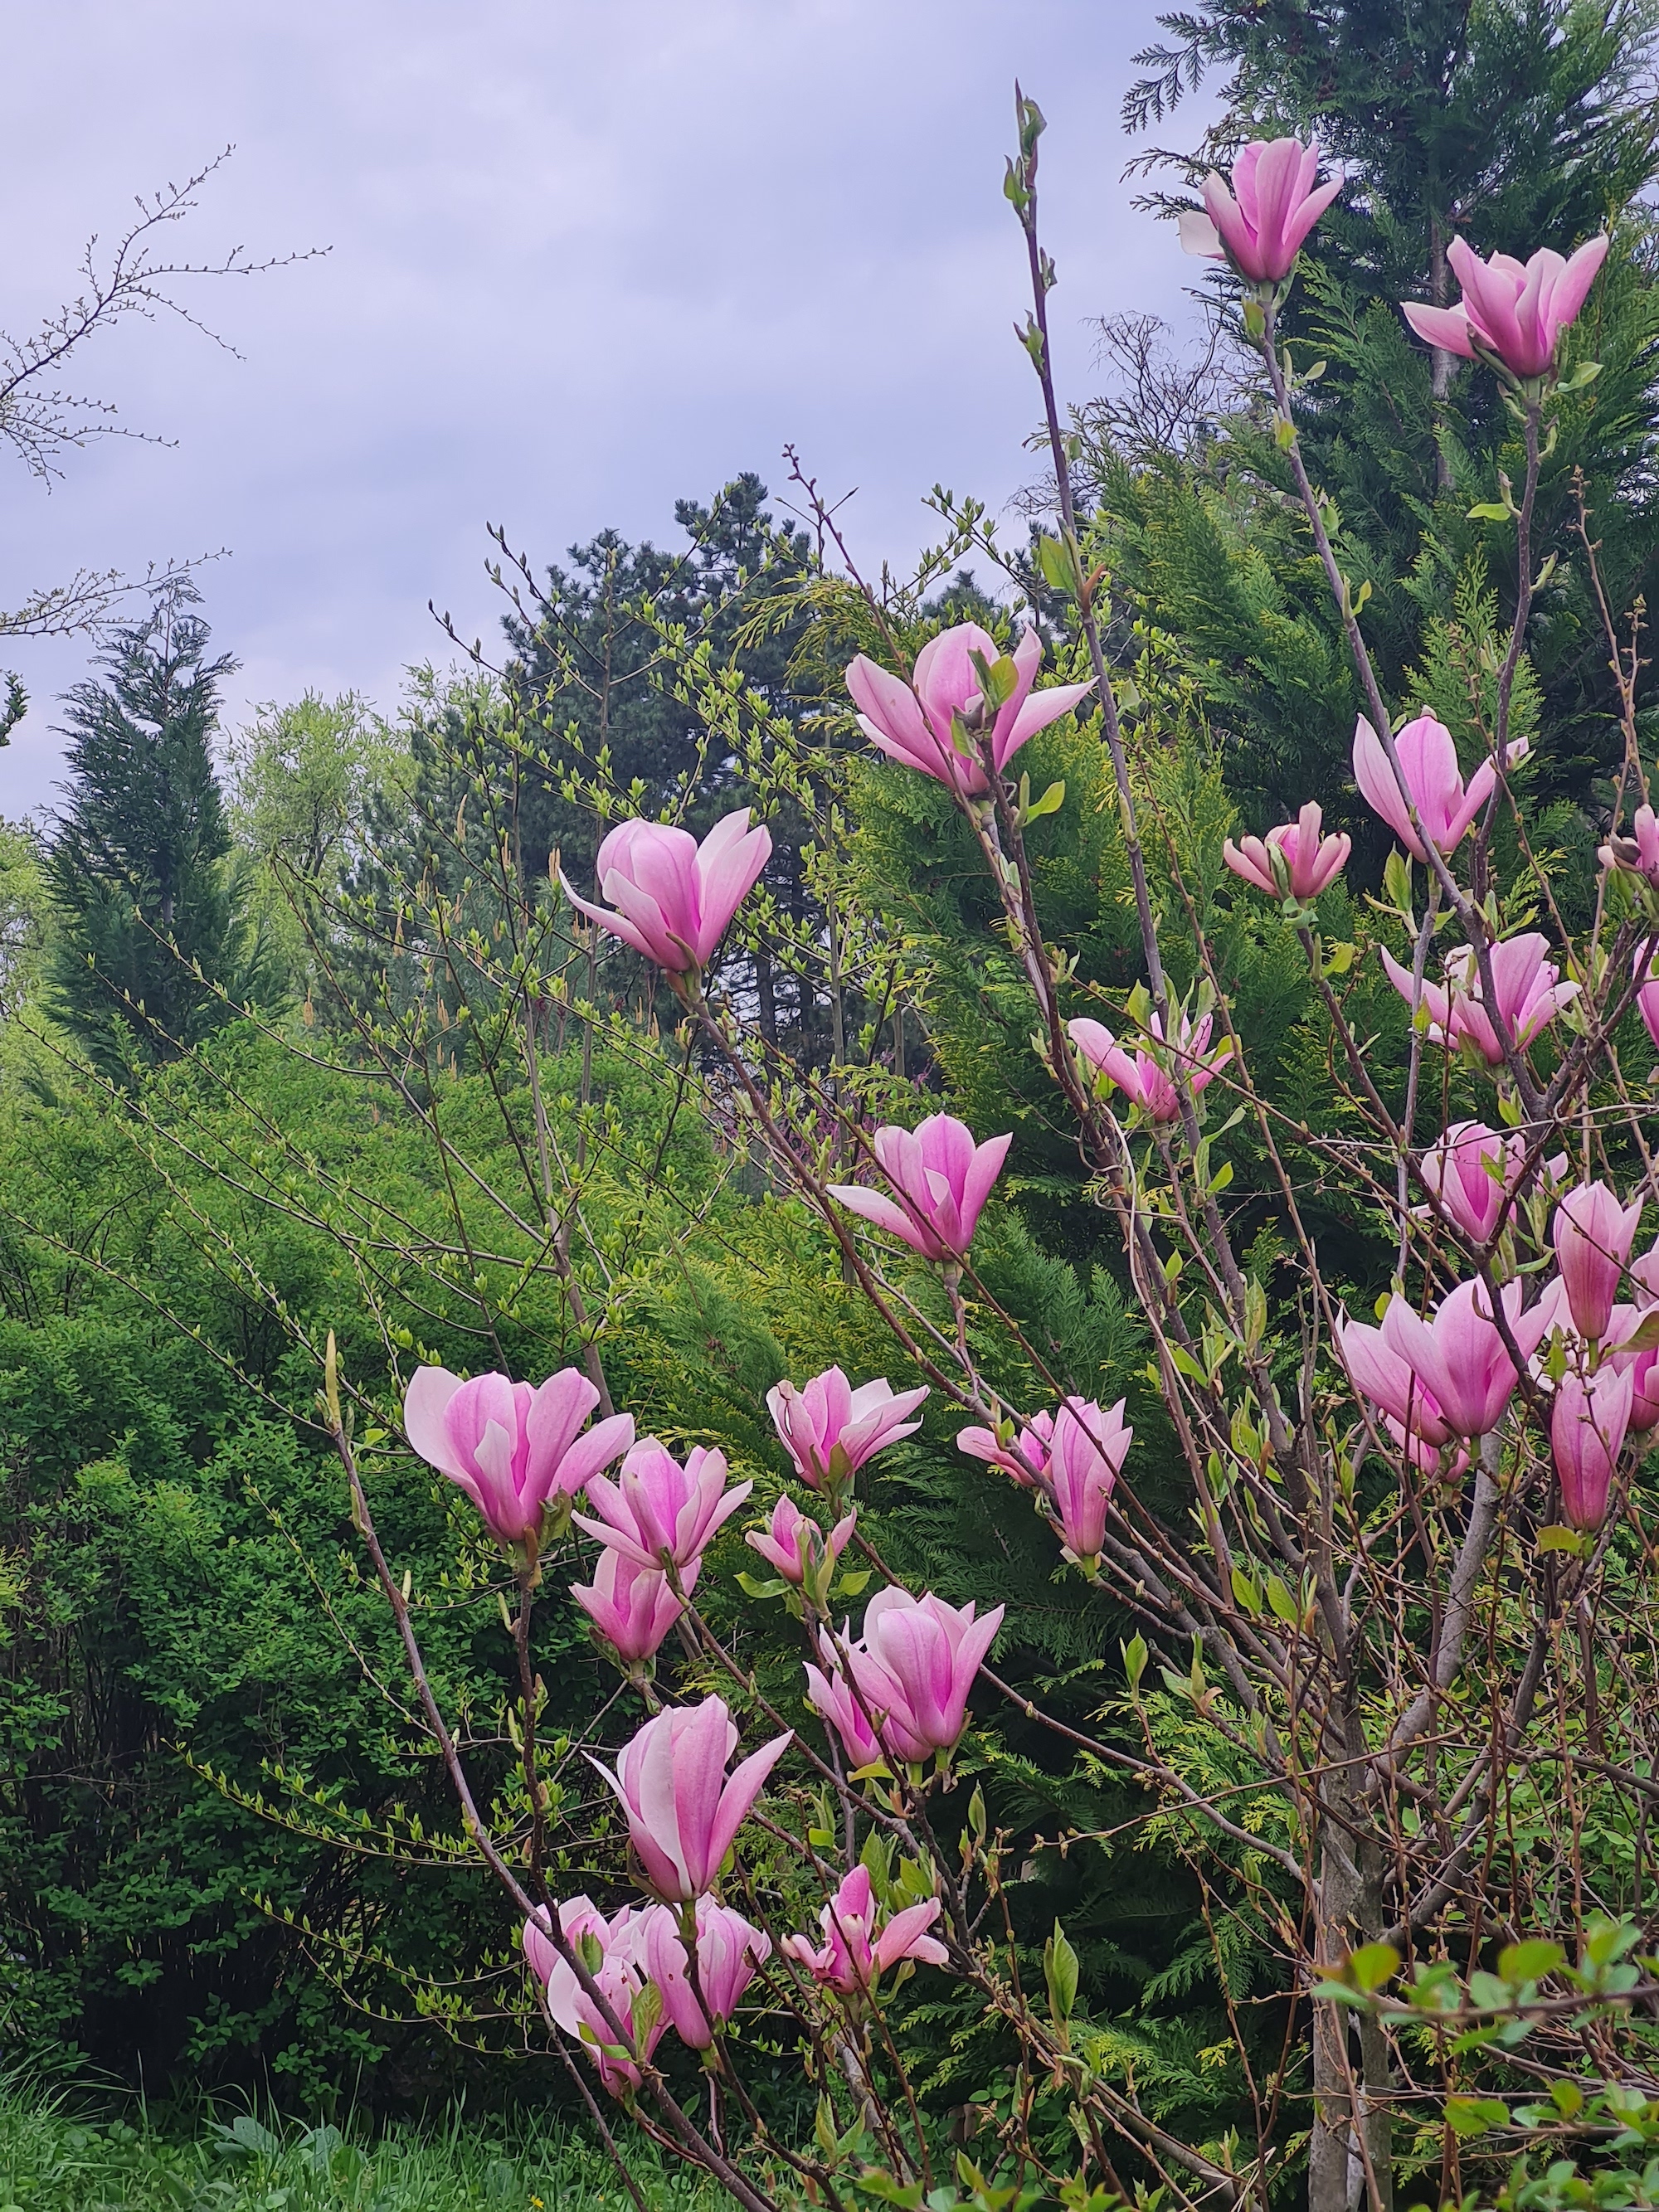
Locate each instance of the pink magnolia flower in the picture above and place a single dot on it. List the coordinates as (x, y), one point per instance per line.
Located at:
(1514, 310)
(1292, 861)
(1529, 995)
(913, 722)
(942, 1178)
(1593, 1234)
(659, 1510)
(1588, 1424)
(1638, 854)
(1640, 1362)
(1458, 1357)
(915, 1667)
(832, 1696)
(1380, 1373)
(1471, 1172)
(632, 1606)
(674, 899)
(793, 1543)
(1647, 997)
(729, 1950)
(1086, 1458)
(512, 1448)
(1145, 1080)
(1261, 224)
(682, 1813)
(1026, 1458)
(847, 1961)
(829, 1430)
(1619, 1346)
(620, 1979)
(1431, 1458)
(1445, 807)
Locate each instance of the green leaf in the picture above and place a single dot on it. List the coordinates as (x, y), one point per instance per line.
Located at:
(1397, 881)
(1054, 561)
(1529, 1961)
(646, 2013)
(1373, 1965)
(1472, 2116)
(1607, 1940)
(1490, 510)
(1280, 1598)
(751, 1587)
(1050, 803)
(1134, 1660)
(1247, 1593)
(1556, 1538)
(1059, 1971)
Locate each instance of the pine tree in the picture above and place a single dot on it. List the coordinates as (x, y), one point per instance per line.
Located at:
(145, 888)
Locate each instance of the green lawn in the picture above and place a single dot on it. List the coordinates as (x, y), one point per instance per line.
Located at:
(55, 2156)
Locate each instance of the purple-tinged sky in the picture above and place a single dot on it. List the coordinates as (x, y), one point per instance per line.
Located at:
(587, 255)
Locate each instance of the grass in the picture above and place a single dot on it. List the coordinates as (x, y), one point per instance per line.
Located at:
(57, 2156)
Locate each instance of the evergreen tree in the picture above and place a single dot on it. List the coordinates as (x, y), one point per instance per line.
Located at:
(1515, 124)
(139, 864)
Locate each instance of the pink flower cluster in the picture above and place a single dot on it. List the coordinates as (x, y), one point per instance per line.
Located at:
(857, 1947)
(1293, 861)
(635, 1948)
(1074, 1458)
(1512, 311)
(1151, 1078)
(673, 898)
(514, 1449)
(940, 1180)
(683, 1811)
(1446, 1379)
(1530, 994)
(902, 1692)
(930, 724)
(659, 1516)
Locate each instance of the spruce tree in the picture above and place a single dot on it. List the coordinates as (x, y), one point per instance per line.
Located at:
(149, 916)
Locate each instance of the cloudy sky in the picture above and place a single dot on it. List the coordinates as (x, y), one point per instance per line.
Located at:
(585, 256)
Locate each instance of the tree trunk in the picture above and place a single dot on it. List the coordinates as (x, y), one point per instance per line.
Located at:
(1441, 363)
(1350, 2155)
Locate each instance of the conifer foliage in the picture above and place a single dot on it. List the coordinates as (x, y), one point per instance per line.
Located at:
(153, 933)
